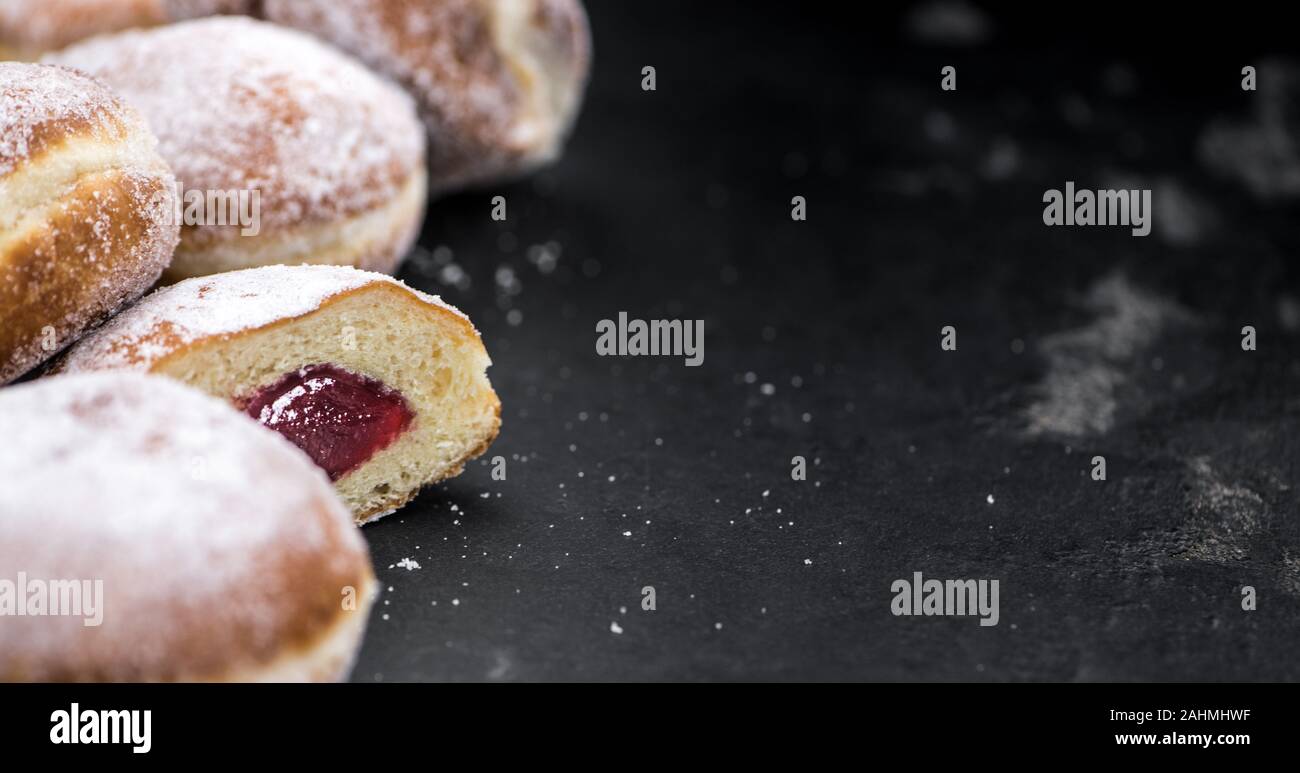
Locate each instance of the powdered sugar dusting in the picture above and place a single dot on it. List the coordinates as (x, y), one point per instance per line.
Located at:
(424, 47)
(447, 55)
(241, 104)
(218, 305)
(184, 508)
(35, 97)
(77, 444)
(189, 9)
(116, 239)
(282, 409)
(45, 24)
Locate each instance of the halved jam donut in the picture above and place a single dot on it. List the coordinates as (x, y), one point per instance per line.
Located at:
(384, 387)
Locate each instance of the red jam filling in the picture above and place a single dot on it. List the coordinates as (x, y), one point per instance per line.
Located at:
(340, 418)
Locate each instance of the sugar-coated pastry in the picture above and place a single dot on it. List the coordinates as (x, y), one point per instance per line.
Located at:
(29, 28)
(382, 385)
(498, 82)
(151, 533)
(327, 156)
(86, 208)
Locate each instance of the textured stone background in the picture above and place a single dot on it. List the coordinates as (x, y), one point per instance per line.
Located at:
(924, 211)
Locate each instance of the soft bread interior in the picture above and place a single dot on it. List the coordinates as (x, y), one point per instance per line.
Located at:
(381, 330)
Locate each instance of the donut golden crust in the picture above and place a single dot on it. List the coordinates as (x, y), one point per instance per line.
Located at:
(498, 82)
(329, 157)
(279, 341)
(201, 546)
(85, 210)
(29, 28)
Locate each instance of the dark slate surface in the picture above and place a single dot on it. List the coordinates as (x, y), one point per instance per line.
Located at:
(924, 211)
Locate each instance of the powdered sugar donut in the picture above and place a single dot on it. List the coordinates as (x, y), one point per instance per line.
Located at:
(287, 150)
(175, 539)
(85, 205)
(29, 28)
(383, 386)
(499, 82)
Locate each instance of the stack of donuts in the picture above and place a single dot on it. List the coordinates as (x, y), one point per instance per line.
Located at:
(260, 169)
